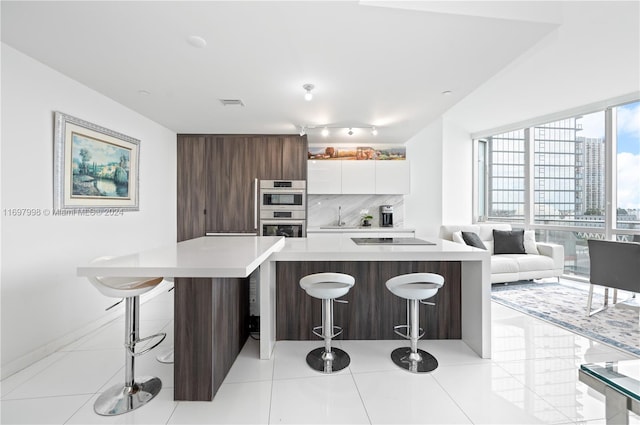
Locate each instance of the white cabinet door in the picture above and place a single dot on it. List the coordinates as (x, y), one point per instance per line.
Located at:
(324, 177)
(393, 177)
(358, 177)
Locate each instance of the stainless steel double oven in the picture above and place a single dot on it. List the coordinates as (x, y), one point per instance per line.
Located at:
(283, 208)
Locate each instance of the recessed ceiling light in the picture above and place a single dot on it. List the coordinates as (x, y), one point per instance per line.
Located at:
(447, 93)
(144, 92)
(197, 41)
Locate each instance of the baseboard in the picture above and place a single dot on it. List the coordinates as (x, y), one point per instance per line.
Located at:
(56, 345)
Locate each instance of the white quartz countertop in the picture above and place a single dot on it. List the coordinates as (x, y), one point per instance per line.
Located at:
(341, 248)
(347, 229)
(219, 256)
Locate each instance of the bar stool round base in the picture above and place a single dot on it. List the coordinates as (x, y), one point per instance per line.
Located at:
(401, 357)
(120, 399)
(317, 361)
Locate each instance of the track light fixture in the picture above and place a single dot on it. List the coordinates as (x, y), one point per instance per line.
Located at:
(325, 129)
(308, 95)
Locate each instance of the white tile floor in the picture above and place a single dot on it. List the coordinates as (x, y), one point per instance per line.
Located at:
(532, 378)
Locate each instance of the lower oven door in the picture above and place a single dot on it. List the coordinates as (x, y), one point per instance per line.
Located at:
(286, 228)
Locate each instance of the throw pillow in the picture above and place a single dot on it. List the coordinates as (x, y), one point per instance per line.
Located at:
(472, 239)
(508, 242)
(530, 246)
(457, 237)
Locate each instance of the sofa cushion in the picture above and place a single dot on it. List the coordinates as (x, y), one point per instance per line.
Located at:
(503, 264)
(531, 263)
(508, 242)
(530, 245)
(472, 239)
(486, 230)
(457, 237)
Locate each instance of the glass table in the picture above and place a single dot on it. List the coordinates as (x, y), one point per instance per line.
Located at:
(619, 382)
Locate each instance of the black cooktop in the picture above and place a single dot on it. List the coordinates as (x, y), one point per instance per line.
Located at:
(391, 241)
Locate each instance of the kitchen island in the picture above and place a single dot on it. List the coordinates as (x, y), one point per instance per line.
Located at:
(463, 306)
(211, 294)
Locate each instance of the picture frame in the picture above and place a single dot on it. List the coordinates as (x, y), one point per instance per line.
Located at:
(95, 168)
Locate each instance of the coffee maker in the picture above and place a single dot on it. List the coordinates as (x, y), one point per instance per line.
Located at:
(386, 216)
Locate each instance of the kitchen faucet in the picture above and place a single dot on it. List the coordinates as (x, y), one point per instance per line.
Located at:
(340, 222)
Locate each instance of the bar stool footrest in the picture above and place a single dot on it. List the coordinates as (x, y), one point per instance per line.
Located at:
(131, 348)
(321, 335)
(406, 335)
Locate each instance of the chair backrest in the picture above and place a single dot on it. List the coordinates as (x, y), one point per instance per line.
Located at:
(615, 264)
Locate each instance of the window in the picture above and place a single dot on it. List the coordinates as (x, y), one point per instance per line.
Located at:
(627, 131)
(505, 183)
(554, 178)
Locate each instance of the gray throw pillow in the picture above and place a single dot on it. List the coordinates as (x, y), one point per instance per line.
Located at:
(472, 239)
(508, 242)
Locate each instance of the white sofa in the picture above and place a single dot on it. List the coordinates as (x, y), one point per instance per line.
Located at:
(542, 260)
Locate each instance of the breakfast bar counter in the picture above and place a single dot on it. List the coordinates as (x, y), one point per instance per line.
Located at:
(463, 306)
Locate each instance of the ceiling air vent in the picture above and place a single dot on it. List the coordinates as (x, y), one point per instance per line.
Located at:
(231, 102)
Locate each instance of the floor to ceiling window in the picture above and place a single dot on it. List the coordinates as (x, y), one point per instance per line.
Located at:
(570, 179)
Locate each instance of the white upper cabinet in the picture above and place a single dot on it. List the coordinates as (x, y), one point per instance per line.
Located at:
(358, 177)
(324, 177)
(393, 177)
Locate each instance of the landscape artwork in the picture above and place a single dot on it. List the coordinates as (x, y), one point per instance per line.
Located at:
(99, 168)
(359, 153)
(95, 168)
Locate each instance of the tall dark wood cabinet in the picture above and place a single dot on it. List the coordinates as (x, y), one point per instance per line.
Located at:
(192, 172)
(217, 177)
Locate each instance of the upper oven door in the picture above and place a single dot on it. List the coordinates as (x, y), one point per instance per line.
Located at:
(290, 199)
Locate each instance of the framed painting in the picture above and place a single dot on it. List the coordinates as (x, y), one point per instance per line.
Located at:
(94, 168)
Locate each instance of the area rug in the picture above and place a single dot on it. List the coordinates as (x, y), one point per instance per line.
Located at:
(565, 306)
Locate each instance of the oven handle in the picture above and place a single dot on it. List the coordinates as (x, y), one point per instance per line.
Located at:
(255, 202)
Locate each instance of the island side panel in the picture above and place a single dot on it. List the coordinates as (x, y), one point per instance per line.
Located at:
(372, 310)
(211, 326)
(231, 324)
(193, 339)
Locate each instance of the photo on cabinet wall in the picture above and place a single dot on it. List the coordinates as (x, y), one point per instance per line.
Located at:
(94, 168)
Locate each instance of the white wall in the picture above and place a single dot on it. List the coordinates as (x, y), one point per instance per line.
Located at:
(457, 174)
(43, 301)
(423, 207)
(593, 56)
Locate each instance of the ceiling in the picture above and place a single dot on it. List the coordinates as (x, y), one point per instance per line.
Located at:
(382, 64)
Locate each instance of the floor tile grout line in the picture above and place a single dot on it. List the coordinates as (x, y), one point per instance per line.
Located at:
(435, 378)
(36, 374)
(364, 405)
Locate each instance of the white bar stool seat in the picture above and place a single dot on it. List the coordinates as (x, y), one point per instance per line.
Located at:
(415, 288)
(327, 287)
(123, 398)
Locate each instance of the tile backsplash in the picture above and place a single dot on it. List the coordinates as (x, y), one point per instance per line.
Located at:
(323, 209)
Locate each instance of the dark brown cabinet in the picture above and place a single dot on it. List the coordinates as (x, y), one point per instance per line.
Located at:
(218, 177)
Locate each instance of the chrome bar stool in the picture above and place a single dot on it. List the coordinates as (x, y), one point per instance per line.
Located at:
(327, 287)
(415, 288)
(123, 398)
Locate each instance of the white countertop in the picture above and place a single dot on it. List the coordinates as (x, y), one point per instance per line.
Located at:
(342, 248)
(220, 256)
(358, 229)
